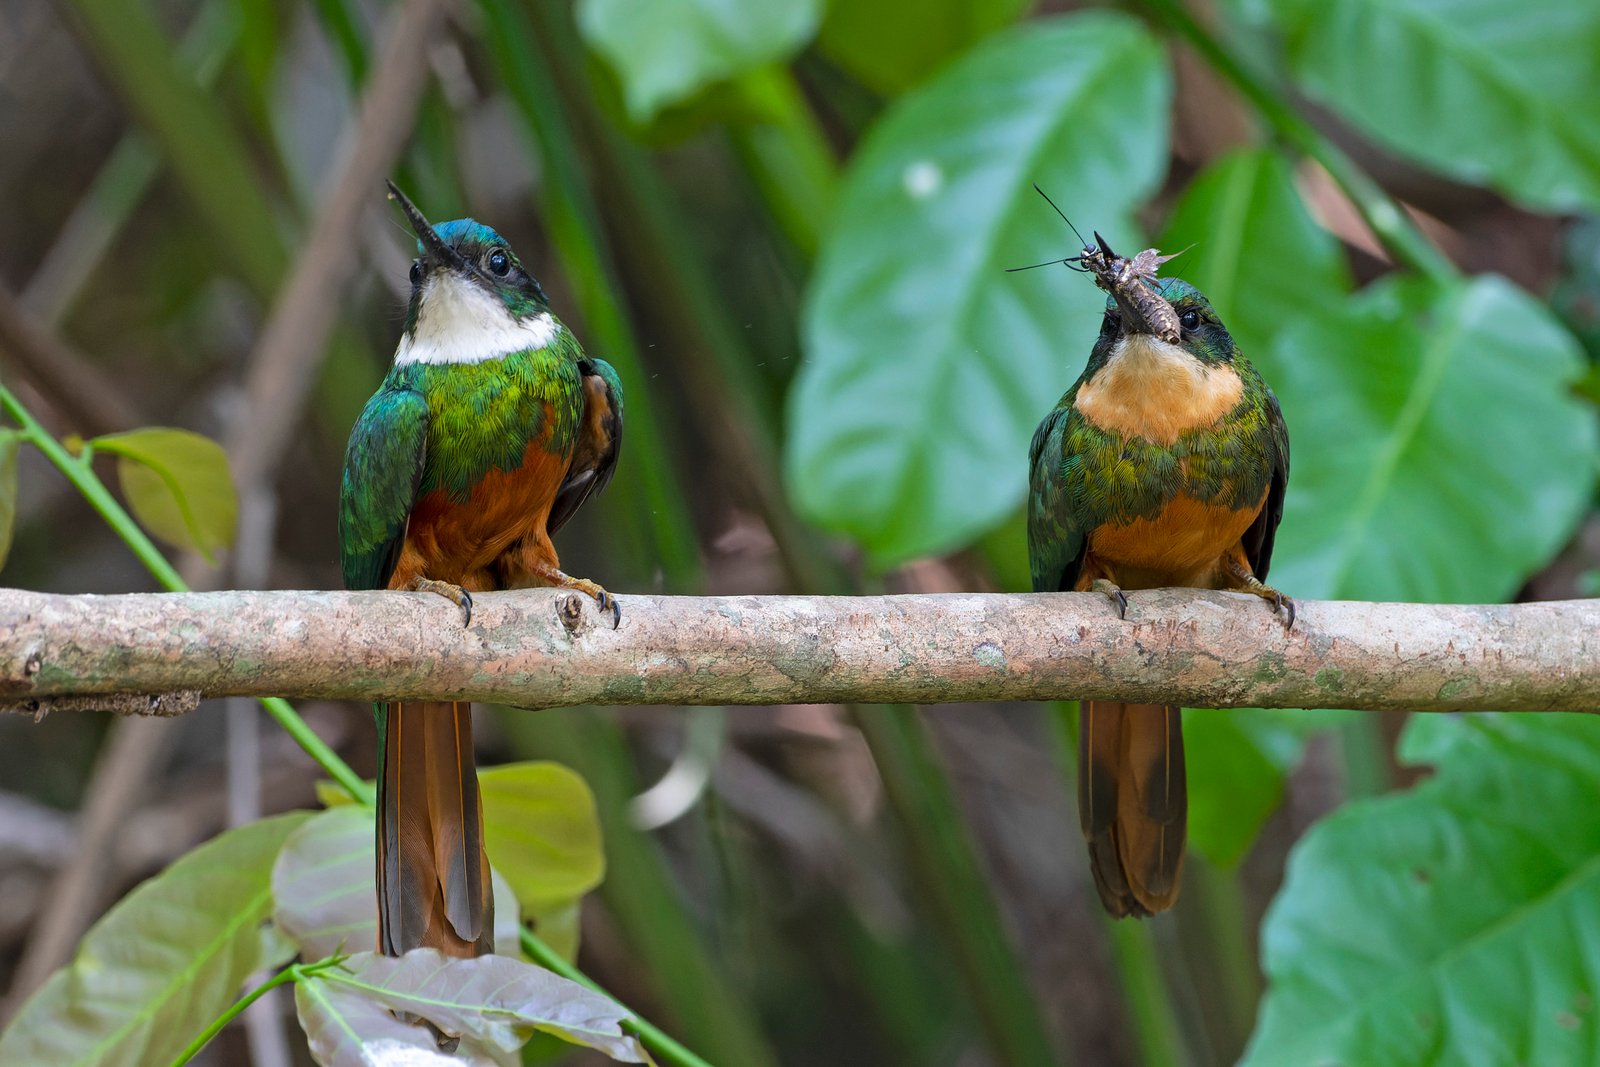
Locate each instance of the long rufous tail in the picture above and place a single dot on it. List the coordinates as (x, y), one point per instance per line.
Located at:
(433, 872)
(1133, 803)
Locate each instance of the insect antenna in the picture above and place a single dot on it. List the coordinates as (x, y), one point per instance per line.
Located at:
(1063, 215)
(1046, 263)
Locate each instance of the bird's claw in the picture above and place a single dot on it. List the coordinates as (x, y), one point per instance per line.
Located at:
(1114, 593)
(606, 600)
(597, 592)
(1285, 605)
(449, 590)
(1282, 606)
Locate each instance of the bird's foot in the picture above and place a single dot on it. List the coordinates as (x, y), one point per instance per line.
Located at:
(552, 575)
(1281, 605)
(449, 590)
(1114, 593)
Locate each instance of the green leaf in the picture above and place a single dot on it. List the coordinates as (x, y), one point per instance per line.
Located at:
(1439, 454)
(665, 51)
(493, 1003)
(886, 51)
(326, 893)
(1489, 92)
(543, 834)
(1239, 760)
(927, 366)
(1256, 253)
(10, 446)
(1234, 784)
(177, 484)
(1450, 924)
(160, 965)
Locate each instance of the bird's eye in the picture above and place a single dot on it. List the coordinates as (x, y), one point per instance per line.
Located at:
(1190, 320)
(499, 262)
(416, 272)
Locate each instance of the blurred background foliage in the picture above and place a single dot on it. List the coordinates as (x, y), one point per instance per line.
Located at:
(787, 224)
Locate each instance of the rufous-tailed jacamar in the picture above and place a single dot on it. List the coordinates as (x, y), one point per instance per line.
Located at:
(1164, 465)
(489, 431)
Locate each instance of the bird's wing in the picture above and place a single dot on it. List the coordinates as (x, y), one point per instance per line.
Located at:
(382, 467)
(1055, 538)
(1262, 532)
(599, 441)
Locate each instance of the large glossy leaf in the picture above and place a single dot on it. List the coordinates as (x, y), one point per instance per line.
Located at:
(665, 51)
(1452, 924)
(10, 446)
(1234, 784)
(927, 366)
(544, 836)
(1486, 90)
(326, 894)
(162, 964)
(1252, 247)
(1439, 454)
(888, 52)
(493, 1003)
(177, 484)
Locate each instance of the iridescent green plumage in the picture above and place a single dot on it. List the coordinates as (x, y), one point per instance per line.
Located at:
(489, 431)
(1083, 476)
(1164, 464)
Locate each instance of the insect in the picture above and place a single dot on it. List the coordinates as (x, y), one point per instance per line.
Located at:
(1134, 278)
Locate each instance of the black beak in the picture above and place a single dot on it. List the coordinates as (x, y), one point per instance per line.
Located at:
(440, 253)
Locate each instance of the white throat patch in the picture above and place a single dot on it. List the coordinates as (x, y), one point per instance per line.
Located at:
(459, 322)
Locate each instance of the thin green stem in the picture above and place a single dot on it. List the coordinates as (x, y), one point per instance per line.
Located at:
(1403, 240)
(292, 973)
(662, 1045)
(80, 472)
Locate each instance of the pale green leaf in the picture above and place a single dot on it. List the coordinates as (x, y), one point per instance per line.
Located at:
(1490, 92)
(162, 964)
(177, 485)
(1234, 784)
(666, 51)
(493, 1003)
(327, 899)
(543, 834)
(1453, 924)
(927, 366)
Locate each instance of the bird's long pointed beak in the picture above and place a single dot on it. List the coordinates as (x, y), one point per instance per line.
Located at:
(440, 252)
(1140, 303)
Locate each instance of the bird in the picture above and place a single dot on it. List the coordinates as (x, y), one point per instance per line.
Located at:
(1165, 464)
(491, 428)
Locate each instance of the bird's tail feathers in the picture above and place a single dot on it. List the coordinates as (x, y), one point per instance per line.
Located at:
(433, 871)
(1133, 803)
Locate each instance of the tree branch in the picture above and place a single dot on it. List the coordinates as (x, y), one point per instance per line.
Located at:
(545, 648)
